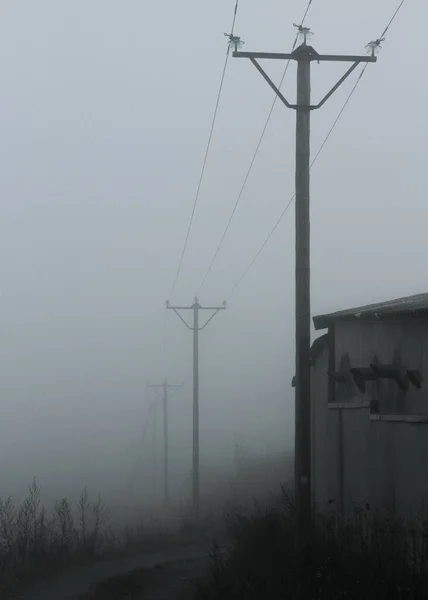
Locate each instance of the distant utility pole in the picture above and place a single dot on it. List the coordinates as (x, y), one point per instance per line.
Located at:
(303, 55)
(138, 458)
(153, 453)
(165, 387)
(195, 308)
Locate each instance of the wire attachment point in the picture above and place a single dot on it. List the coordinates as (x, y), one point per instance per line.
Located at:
(234, 42)
(374, 47)
(304, 33)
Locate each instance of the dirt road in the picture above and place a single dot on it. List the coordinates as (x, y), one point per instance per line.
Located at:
(163, 576)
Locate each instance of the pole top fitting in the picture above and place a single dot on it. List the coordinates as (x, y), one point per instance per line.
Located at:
(304, 33)
(374, 46)
(167, 303)
(234, 42)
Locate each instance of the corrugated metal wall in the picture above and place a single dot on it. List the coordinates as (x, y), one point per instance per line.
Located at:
(362, 339)
(384, 462)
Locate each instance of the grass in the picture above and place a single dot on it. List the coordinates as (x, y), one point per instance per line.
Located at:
(36, 543)
(370, 556)
(33, 543)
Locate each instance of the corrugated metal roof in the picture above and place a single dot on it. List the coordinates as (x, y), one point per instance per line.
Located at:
(409, 304)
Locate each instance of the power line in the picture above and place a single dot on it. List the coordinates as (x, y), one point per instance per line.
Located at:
(306, 12)
(330, 131)
(391, 19)
(192, 215)
(250, 168)
(293, 196)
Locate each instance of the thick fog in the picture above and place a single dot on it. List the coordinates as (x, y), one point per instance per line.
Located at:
(105, 112)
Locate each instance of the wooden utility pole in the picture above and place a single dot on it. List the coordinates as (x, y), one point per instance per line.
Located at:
(303, 55)
(153, 452)
(195, 308)
(165, 386)
(136, 471)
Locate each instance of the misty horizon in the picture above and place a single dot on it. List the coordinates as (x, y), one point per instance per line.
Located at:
(106, 110)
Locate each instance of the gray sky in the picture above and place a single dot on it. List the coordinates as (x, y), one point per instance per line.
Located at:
(105, 112)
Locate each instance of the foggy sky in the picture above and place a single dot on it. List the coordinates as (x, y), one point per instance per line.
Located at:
(105, 113)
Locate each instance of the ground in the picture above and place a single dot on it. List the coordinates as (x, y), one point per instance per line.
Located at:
(160, 576)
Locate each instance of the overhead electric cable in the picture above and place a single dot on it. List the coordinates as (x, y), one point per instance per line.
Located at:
(254, 156)
(204, 163)
(381, 38)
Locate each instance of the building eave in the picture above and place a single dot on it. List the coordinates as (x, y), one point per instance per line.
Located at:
(408, 307)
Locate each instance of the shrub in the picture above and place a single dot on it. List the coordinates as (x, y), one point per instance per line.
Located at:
(367, 557)
(31, 543)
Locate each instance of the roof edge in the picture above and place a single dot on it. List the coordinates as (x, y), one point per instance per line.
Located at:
(415, 305)
(322, 322)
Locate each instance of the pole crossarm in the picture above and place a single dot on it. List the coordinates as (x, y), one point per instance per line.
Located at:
(156, 388)
(271, 83)
(336, 86)
(194, 306)
(308, 53)
(179, 307)
(217, 310)
(311, 55)
(169, 385)
(180, 317)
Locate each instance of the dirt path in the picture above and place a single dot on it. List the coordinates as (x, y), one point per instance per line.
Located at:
(169, 581)
(176, 582)
(161, 576)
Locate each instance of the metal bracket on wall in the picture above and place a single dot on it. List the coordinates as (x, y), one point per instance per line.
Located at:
(391, 371)
(361, 375)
